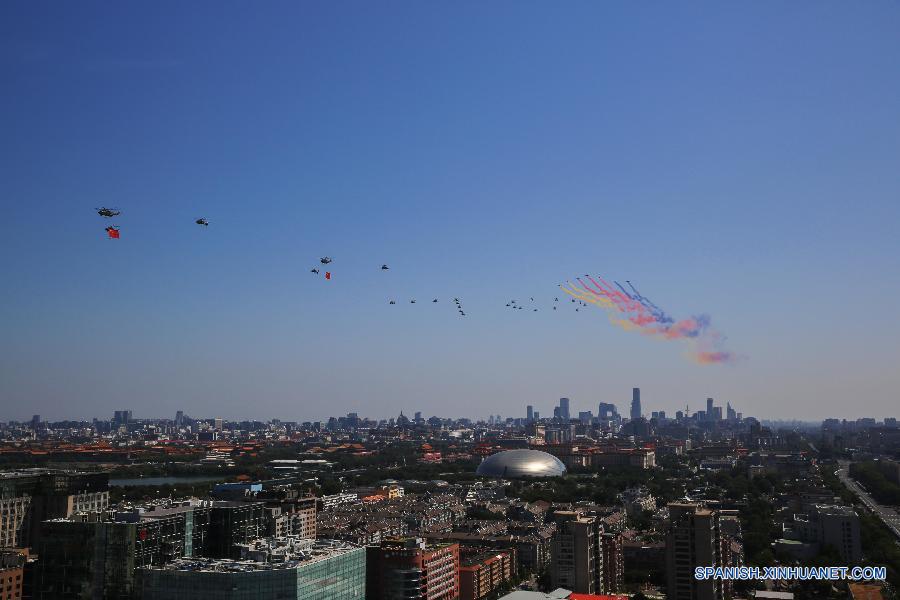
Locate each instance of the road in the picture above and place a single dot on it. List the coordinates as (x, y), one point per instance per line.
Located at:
(885, 513)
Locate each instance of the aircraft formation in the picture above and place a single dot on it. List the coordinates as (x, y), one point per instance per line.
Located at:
(628, 309)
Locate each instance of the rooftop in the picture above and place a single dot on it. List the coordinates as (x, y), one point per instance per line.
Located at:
(315, 552)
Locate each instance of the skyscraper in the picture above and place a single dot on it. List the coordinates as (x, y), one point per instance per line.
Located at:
(564, 409)
(709, 409)
(636, 403)
(607, 411)
(529, 413)
(122, 417)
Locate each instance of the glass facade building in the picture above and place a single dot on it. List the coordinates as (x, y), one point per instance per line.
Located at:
(329, 570)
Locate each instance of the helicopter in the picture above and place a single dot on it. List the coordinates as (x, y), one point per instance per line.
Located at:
(413, 301)
(392, 302)
(384, 267)
(202, 221)
(325, 260)
(316, 271)
(107, 212)
(112, 232)
(435, 300)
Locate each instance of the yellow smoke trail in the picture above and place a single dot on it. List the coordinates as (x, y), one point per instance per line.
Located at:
(605, 303)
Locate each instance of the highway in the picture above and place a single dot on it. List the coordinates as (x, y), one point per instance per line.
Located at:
(885, 513)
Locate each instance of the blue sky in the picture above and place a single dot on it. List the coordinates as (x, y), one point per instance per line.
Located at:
(735, 159)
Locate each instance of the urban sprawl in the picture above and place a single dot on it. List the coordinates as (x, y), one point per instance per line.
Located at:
(564, 504)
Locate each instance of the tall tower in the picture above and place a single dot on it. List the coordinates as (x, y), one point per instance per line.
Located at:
(709, 409)
(564, 408)
(693, 540)
(529, 413)
(635, 403)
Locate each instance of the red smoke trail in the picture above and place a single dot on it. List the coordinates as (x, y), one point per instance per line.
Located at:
(651, 320)
(712, 358)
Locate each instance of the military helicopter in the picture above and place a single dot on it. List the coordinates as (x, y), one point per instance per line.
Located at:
(107, 212)
(384, 267)
(392, 302)
(325, 260)
(435, 300)
(316, 271)
(202, 221)
(413, 301)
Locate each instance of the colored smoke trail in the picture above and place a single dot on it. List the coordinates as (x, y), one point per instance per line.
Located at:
(635, 312)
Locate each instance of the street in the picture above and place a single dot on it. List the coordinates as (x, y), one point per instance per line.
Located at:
(888, 515)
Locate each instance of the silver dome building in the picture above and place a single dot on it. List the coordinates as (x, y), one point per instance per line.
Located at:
(521, 463)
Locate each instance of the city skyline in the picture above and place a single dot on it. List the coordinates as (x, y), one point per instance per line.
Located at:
(735, 161)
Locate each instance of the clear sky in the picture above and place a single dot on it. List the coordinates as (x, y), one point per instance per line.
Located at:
(740, 159)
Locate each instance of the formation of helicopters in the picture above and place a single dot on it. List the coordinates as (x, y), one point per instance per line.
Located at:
(112, 232)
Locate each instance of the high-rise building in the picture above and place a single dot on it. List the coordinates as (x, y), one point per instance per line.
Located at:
(585, 416)
(537, 415)
(607, 412)
(410, 569)
(276, 568)
(613, 563)
(529, 413)
(31, 496)
(12, 574)
(481, 574)
(564, 409)
(709, 409)
(99, 554)
(179, 419)
(218, 424)
(636, 403)
(35, 422)
(693, 539)
(576, 553)
(121, 417)
(836, 526)
(730, 413)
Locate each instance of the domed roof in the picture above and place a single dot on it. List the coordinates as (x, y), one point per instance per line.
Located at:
(521, 463)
